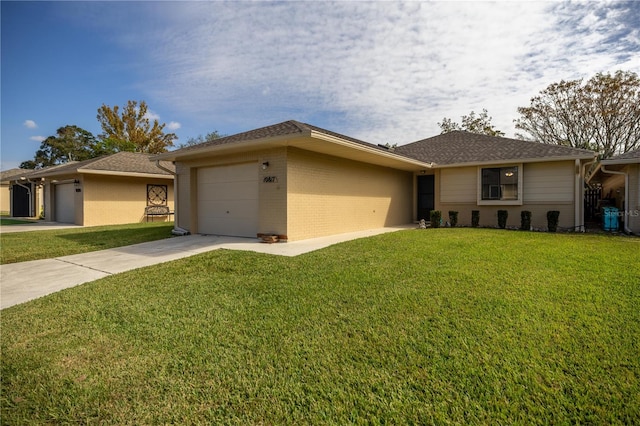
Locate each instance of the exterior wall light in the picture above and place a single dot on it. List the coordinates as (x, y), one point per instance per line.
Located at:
(265, 165)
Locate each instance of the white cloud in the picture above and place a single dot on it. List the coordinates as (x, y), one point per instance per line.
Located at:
(383, 72)
(173, 125)
(37, 138)
(151, 116)
(30, 124)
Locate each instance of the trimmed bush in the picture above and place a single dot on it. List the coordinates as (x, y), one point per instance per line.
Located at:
(436, 217)
(453, 218)
(552, 220)
(502, 218)
(525, 220)
(475, 218)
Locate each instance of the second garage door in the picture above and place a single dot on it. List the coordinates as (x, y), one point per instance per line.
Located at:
(65, 203)
(228, 200)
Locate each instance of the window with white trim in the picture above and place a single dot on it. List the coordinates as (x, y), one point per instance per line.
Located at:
(500, 185)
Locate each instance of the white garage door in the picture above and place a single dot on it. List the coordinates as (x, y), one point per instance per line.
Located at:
(228, 200)
(65, 203)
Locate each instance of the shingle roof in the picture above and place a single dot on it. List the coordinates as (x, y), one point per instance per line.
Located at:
(631, 155)
(460, 147)
(11, 174)
(121, 162)
(285, 128)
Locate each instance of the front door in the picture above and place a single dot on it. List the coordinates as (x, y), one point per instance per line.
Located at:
(426, 196)
(20, 206)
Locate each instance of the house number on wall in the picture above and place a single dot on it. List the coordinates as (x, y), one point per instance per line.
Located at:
(270, 179)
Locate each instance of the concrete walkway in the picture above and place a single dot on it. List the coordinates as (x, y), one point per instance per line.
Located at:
(35, 226)
(21, 282)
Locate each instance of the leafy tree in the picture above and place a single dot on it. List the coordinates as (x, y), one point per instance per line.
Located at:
(201, 139)
(602, 114)
(471, 123)
(71, 143)
(132, 130)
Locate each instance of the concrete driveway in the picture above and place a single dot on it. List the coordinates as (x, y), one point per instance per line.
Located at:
(21, 282)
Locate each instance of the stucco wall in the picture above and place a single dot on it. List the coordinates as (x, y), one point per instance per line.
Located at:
(111, 200)
(5, 198)
(546, 186)
(329, 195)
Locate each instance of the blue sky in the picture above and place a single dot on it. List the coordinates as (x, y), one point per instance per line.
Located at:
(385, 72)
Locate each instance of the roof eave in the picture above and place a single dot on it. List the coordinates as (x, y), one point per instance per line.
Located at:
(230, 147)
(622, 161)
(516, 160)
(125, 174)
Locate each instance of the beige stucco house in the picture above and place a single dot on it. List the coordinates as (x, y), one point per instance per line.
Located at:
(299, 181)
(109, 190)
(619, 178)
(19, 195)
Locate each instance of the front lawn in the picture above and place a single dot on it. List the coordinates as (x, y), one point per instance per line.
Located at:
(439, 326)
(9, 222)
(34, 245)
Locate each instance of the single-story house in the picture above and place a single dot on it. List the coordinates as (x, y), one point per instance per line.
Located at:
(299, 181)
(19, 195)
(108, 190)
(619, 178)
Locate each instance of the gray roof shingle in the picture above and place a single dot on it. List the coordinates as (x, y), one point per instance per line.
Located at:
(285, 128)
(460, 147)
(121, 162)
(631, 155)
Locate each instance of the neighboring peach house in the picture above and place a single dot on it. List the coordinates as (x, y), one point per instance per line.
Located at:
(19, 195)
(619, 178)
(299, 181)
(109, 190)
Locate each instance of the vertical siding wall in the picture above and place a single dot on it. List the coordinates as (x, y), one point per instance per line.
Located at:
(111, 200)
(547, 186)
(329, 195)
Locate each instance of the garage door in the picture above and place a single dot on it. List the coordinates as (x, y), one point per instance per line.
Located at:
(228, 200)
(65, 203)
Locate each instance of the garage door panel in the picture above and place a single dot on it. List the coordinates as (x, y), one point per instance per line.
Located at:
(65, 196)
(228, 200)
(232, 190)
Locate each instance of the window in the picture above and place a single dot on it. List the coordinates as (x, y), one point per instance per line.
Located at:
(500, 183)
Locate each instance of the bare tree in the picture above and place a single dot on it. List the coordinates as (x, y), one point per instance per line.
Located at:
(602, 114)
(471, 123)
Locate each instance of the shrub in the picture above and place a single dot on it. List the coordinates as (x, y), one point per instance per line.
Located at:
(502, 218)
(475, 218)
(436, 217)
(453, 218)
(525, 220)
(552, 220)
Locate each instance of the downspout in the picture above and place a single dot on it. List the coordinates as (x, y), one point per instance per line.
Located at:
(603, 168)
(176, 229)
(29, 194)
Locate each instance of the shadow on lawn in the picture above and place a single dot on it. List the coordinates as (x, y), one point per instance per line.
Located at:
(117, 237)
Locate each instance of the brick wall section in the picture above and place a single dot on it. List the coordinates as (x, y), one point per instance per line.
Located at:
(102, 208)
(273, 198)
(329, 195)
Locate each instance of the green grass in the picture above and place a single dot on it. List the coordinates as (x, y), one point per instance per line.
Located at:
(8, 222)
(440, 326)
(34, 245)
